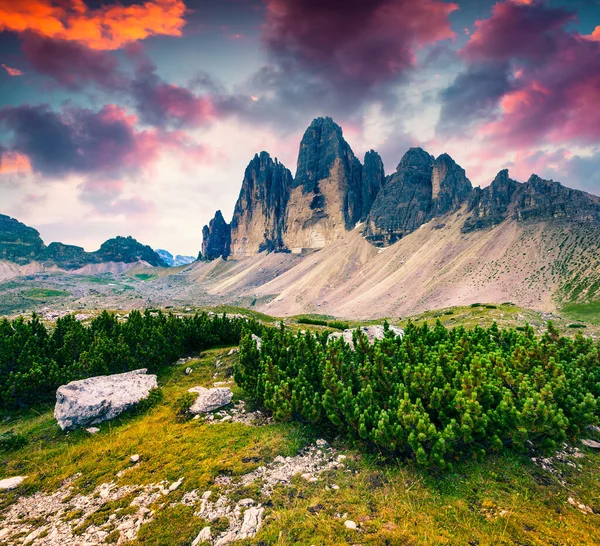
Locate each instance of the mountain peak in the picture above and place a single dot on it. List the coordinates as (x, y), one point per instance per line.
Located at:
(416, 157)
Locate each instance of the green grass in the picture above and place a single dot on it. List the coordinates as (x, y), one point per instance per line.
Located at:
(45, 293)
(393, 502)
(588, 312)
(145, 276)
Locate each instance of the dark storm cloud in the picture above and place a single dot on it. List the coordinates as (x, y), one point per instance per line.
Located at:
(474, 95)
(77, 140)
(551, 85)
(72, 64)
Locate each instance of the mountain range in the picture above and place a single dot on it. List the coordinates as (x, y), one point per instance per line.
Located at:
(340, 237)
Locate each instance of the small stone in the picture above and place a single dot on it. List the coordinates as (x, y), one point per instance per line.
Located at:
(9, 484)
(246, 502)
(279, 459)
(591, 443)
(349, 524)
(232, 352)
(175, 485)
(134, 458)
(203, 536)
(92, 430)
(188, 371)
(206, 495)
(322, 443)
(210, 399)
(258, 341)
(226, 418)
(335, 487)
(306, 476)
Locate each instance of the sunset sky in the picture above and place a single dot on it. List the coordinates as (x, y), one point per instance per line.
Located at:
(139, 118)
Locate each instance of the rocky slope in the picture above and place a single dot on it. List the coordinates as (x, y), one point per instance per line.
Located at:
(18, 243)
(259, 214)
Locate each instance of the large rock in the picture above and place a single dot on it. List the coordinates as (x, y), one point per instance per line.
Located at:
(326, 198)
(210, 399)
(259, 213)
(97, 399)
(216, 239)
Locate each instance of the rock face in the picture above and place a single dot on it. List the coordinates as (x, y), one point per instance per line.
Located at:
(535, 200)
(259, 213)
(373, 179)
(489, 206)
(421, 188)
(97, 399)
(326, 195)
(210, 399)
(216, 238)
(18, 243)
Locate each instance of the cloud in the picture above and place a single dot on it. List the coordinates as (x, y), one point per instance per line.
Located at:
(14, 163)
(12, 71)
(336, 59)
(551, 83)
(72, 64)
(108, 27)
(82, 141)
(162, 104)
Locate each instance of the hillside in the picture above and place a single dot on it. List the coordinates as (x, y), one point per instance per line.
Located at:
(126, 482)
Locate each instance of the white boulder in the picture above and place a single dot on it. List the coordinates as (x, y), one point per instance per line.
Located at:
(373, 332)
(97, 399)
(258, 341)
(210, 399)
(203, 536)
(9, 484)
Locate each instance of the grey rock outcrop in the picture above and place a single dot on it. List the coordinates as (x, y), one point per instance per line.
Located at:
(535, 200)
(421, 188)
(373, 179)
(210, 399)
(8, 484)
(326, 196)
(259, 213)
(97, 399)
(489, 206)
(18, 243)
(216, 239)
(373, 332)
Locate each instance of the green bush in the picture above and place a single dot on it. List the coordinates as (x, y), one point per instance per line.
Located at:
(312, 321)
(339, 325)
(11, 441)
(34, 361)
(576, 325)
(182, 406)
(433, 395)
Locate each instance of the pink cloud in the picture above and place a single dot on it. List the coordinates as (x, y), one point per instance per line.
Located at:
(554, 96)
(12, 71)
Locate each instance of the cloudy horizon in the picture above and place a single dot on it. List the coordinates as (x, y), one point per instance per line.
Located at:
(140, 117)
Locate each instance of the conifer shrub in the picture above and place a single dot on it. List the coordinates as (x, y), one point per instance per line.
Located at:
(35, 361)
(436, 394)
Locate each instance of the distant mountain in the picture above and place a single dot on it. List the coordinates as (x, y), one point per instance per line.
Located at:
(22, 244)
(174, 261)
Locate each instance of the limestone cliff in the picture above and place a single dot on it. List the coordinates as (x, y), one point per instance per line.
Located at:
(421, 188)
(326, 198)
(259, 213)
(373, 179)
(216, 238)
(536, 199)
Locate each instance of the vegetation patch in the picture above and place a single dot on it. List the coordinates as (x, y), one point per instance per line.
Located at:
(433, 395)
(45, 293)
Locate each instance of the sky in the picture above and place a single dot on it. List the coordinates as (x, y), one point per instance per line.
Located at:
(139, 117)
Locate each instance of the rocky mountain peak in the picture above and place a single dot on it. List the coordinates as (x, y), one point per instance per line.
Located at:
(373, 179)
(18, 243)
(416, 158)
(326, 198)
(216, 238)
(259, 213)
